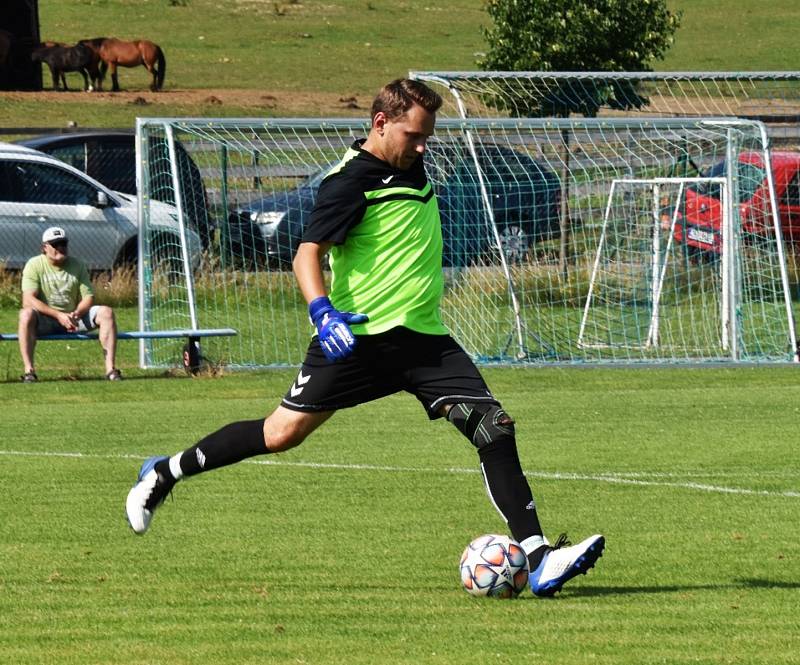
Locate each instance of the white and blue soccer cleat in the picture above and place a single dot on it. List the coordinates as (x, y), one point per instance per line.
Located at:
(563, 562)
(147, 494)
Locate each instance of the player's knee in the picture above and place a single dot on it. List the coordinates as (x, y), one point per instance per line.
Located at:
(278, 438)
(483, 424)
(105, 315)
(27, 316)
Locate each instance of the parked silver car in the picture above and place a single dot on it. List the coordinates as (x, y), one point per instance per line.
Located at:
(38, 191)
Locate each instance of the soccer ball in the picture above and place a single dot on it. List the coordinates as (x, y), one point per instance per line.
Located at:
(494, 566)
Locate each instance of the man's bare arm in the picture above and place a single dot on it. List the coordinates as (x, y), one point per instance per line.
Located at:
(307, 266)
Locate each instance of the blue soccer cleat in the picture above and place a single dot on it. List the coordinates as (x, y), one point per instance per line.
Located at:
(563, 562)
(147, 494)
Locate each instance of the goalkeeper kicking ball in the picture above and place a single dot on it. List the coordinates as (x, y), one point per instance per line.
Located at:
(494, 566)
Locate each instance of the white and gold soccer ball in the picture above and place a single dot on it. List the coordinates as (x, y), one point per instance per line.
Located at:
(494, 566)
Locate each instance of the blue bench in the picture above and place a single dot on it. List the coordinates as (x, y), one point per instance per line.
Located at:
(191, 354)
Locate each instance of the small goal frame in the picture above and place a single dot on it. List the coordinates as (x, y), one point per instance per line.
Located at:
(730, 277)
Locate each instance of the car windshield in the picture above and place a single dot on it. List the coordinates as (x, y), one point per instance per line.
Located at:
(750, 177)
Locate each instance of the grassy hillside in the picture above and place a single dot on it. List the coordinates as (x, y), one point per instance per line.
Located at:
(746, 35)
(304, 45)
(307, 57)
(355, 45)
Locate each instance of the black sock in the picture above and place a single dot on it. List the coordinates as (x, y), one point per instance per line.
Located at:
(508, 488)
(233, 443)
(535, 557)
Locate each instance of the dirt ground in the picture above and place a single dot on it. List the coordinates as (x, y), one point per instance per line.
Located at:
(320, 104)
(276, 102)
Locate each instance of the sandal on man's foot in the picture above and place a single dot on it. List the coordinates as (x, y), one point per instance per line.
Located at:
(29, 377)
(114, 375)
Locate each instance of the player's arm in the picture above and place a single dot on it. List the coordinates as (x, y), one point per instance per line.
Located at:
(335, 337)
(83, 307)
(86, 293)
(307, 266)
(30, 300)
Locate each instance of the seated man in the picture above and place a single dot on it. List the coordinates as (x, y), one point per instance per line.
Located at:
(57, 298)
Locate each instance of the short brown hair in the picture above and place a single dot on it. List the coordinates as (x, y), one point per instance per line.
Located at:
(397, 97)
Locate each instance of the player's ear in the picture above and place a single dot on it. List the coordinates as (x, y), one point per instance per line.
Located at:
(379, 122)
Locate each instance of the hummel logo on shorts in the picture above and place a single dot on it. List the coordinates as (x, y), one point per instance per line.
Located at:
(300, 382)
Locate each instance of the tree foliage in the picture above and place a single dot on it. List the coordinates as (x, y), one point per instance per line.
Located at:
(579, 35)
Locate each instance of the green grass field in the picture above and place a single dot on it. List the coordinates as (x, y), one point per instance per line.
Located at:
(345, 549)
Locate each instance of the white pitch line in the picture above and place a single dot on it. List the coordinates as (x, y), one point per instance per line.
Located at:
(624, 478)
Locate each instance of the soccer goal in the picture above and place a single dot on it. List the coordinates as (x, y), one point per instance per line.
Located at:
(637, 257)
(771, 97)
(651, 293)
(537, 215)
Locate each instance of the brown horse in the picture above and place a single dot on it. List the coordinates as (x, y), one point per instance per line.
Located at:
(117, 53)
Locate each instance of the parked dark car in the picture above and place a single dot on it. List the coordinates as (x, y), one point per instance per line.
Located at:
(110, 158)
(525, 196)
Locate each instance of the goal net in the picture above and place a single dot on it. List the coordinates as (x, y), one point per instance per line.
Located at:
(771, 97)
(535, 217)
(635, 297)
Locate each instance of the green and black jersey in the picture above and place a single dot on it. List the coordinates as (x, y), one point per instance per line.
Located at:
(387, 255)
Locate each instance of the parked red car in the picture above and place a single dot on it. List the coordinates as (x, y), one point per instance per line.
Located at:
(700, 220)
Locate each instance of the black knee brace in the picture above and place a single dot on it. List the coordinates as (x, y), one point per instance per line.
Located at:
(481, 423)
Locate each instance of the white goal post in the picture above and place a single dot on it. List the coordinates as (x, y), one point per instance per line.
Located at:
(526, 221)
(655, 261)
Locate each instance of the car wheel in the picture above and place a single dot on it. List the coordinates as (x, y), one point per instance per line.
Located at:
(128, 256)
(514, 243)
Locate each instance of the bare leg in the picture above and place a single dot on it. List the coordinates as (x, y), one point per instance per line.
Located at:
(27, 337)
(107, 334)
(285, 429)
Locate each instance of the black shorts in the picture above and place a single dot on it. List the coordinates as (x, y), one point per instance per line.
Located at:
(433, 368)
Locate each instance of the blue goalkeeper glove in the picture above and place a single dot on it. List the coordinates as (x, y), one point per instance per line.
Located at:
(335, 337)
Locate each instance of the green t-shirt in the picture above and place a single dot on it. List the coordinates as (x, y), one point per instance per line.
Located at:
(62, 288)
(386, 260)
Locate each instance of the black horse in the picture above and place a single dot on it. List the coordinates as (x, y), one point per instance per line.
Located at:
(61, 59)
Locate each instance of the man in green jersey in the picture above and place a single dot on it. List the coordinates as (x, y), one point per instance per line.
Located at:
(379, 331)
(57, 298)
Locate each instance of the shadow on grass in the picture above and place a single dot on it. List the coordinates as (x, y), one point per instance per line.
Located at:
(100, 378)
(768, 584)
(749, 583)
